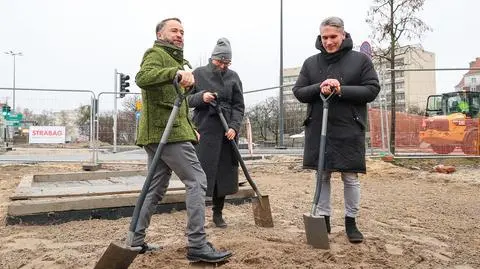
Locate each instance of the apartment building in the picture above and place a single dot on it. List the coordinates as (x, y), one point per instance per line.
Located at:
(294, 111)
(470, 80)
(412, 88)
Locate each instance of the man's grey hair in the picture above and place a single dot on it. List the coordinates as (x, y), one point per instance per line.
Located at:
(162, 24)
(334, 22)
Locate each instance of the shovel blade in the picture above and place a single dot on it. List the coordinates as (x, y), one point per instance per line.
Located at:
(117, 256)
(316, 231)
(262, 212)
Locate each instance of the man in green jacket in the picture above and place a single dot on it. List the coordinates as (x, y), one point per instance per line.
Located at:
(159, 66)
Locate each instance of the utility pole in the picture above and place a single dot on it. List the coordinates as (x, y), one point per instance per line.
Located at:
(115, 111)
(13, 54)
(124, 84)
(280, 99)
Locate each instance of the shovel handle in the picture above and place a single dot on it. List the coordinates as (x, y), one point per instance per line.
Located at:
(321, 151)
(237, 153)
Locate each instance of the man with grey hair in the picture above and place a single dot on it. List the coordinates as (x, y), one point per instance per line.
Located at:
(160, 65)
(217, 81)
(351, 77)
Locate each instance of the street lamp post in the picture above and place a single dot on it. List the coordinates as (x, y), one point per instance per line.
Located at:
(280, 98)
(14, 54)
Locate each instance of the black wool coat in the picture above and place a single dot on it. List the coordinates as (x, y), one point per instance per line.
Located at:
(347, 114)
(214, 149)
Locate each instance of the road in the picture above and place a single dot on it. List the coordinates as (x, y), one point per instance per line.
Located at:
(135, 154)
(132, 154)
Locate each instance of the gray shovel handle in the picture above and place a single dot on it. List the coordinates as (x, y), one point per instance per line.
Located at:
(321, 153)
(158, 153)
(236, 151)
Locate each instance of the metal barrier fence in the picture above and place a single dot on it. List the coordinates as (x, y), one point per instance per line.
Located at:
(452, 134)
(415, 133)
(72, 109)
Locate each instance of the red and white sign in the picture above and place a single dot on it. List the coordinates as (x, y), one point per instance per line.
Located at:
(46, 134)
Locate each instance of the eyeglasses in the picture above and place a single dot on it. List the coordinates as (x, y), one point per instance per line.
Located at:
(225, 63)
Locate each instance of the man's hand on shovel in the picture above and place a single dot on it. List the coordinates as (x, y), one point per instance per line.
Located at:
(330, 85)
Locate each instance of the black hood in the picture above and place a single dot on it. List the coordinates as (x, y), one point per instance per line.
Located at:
(347, 45)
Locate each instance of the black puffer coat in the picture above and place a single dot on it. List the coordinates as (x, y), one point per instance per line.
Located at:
(214, 149)
(347, 116)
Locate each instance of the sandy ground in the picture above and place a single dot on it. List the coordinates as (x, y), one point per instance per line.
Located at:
(411, 218)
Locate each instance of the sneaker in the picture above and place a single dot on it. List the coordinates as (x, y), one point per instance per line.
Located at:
(207, 253)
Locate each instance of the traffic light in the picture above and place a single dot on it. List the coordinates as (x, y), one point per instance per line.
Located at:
(6, 110)
(124, 84)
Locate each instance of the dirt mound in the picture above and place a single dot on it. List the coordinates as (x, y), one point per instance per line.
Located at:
(411, 218)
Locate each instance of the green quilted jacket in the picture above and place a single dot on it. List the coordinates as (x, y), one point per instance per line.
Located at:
(157, 71)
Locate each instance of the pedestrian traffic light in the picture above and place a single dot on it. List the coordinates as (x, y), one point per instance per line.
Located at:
(6, 110)
(124, 84)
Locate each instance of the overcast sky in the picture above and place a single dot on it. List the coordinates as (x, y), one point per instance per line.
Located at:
(78, 44)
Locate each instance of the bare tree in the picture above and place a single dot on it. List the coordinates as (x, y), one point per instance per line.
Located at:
(46, 118)
(83, 115)
(393, 21)
(414, 109)
(295, 114)
(62, 118)
(27, 113)
(264, 119)
(129, 103)
(83, 120)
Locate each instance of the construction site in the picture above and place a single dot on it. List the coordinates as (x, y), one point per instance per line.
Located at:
(412, 216)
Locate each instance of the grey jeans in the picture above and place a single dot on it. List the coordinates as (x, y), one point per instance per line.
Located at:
(351, 194)
(182, 159)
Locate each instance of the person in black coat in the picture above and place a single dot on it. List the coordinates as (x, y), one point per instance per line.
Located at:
(354, 81)
(217, 81)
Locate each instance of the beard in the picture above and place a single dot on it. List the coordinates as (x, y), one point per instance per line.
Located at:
(172, 42)
(220, 70)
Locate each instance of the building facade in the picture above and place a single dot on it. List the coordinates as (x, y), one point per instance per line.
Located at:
(412, 88)
(294, 111)
(471, 80)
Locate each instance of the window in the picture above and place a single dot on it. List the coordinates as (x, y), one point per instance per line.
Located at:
(399, 62)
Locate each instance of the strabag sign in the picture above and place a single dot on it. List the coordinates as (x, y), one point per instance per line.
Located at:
(46, 134)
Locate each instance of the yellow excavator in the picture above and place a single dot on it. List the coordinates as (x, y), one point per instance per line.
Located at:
(452, 120)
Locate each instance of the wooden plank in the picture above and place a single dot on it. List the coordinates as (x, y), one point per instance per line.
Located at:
(74, 189)
(87, 175)
(28, 207)
(24, 185)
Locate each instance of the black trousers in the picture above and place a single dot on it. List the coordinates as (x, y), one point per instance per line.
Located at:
(217, 201)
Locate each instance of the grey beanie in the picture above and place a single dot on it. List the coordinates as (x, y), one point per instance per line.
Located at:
(222, 50)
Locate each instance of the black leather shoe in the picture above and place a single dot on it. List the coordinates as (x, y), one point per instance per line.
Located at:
(207, 253)
(218, 220)
(353, 234)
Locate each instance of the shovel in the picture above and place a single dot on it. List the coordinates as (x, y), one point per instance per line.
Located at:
(315, 226)
(261, 206)
(120, 255)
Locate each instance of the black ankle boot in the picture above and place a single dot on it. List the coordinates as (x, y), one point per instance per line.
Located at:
(218, 220)
(353, 234)
(327, 223)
